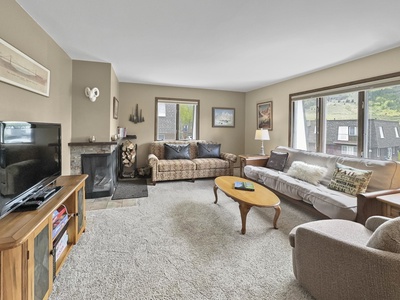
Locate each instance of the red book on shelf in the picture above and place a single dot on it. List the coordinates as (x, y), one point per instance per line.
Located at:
(59, 212)
(59, 224)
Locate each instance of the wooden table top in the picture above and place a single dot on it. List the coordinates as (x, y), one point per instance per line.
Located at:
(261, 196)
(392, 199)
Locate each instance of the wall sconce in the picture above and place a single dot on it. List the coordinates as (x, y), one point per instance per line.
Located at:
(92, 94)
(262, 135)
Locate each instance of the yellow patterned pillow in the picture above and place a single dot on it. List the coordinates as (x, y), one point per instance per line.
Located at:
(350, 180)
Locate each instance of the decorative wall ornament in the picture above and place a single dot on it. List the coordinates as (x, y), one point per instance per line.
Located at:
(92, 94)
(136, 116)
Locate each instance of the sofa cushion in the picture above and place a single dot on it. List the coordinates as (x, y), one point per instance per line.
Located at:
(171, 165)
(208, 150)
(210, 163)
(265, 176)
(350, 180)
(176, 151)
(306, 172)
(277, 160)
(334, 204)
(387, 236)
(291, 186)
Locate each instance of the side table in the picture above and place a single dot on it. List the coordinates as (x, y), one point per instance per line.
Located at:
(390, 205)
(252, 160)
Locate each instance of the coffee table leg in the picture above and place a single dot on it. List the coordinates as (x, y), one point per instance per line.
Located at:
(215, 193)
(244, 210)
(277, 214)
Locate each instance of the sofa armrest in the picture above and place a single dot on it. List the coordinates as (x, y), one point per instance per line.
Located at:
(371, 195)
(325, 266)
(374, 222)
(229, 157)
(368, 206)
(153, 160)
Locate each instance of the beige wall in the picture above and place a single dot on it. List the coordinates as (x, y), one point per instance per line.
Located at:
(375, 65)
(114, 93)
(18, 29)
(92, 118)
(81, 118)
(144, 95)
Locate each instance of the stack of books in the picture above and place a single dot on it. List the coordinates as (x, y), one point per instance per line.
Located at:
(60, 220)
(61, 245)
(246, 186)
(60, 233)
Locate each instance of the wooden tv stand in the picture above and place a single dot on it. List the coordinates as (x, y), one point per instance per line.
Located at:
(27, 257)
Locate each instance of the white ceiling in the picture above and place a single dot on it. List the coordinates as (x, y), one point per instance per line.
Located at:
(234, 45)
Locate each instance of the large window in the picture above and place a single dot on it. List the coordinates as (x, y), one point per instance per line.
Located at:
(177, 119)
(352, 120)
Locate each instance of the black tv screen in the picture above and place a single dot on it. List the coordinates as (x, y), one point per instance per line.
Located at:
(30, 159)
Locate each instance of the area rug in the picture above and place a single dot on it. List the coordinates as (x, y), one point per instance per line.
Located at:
(131, 189)
(178, 244)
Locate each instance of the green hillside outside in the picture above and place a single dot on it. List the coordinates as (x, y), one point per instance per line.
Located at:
(384, 104)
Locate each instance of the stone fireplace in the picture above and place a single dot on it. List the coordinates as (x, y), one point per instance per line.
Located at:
(98, 160)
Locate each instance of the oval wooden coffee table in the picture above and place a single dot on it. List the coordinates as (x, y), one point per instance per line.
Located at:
(261, 197)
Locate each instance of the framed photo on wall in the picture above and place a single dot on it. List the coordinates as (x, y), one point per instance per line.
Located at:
(115, 108)
(223, 117)
(264, 115)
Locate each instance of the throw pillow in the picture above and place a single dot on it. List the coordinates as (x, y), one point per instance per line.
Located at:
(176, 151)
(208, 150)
(387, 236)
(349, 180)
(277, 160)
(306, 172)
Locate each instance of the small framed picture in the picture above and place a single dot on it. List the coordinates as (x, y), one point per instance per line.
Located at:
(223, 117)
(115, 108)
(264, 115)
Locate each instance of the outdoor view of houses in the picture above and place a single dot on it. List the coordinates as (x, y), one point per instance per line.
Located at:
(381, 125)
(176, 121)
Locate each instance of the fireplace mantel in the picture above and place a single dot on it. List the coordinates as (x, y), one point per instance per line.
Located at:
(91, 144)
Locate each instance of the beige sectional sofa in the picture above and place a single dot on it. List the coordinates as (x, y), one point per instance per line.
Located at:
(208, 161)
(330, 202)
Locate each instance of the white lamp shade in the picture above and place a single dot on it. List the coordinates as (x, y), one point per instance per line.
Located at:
(262, 135)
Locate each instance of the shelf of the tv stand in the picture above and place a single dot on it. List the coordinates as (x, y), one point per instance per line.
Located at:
(20, 230)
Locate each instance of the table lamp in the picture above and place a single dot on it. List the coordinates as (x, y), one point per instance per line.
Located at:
(263, 135)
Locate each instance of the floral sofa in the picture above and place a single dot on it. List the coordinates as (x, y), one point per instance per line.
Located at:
(326, 183)
(176, 160)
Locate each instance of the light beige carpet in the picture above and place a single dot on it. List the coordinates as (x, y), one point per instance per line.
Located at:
(178, 244)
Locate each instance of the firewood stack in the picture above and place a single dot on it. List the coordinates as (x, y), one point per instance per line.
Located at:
(128, 153)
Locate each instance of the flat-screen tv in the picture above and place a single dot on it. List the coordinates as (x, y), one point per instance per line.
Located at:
(30, 159)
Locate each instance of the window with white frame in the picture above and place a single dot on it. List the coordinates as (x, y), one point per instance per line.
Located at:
(349, 150)
(343, 133)
(381, 135)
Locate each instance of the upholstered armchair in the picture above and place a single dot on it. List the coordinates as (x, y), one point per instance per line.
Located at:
(340, 259)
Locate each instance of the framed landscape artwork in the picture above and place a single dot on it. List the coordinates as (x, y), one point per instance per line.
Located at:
(18, 69)
(264, 115)
(223, 117)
